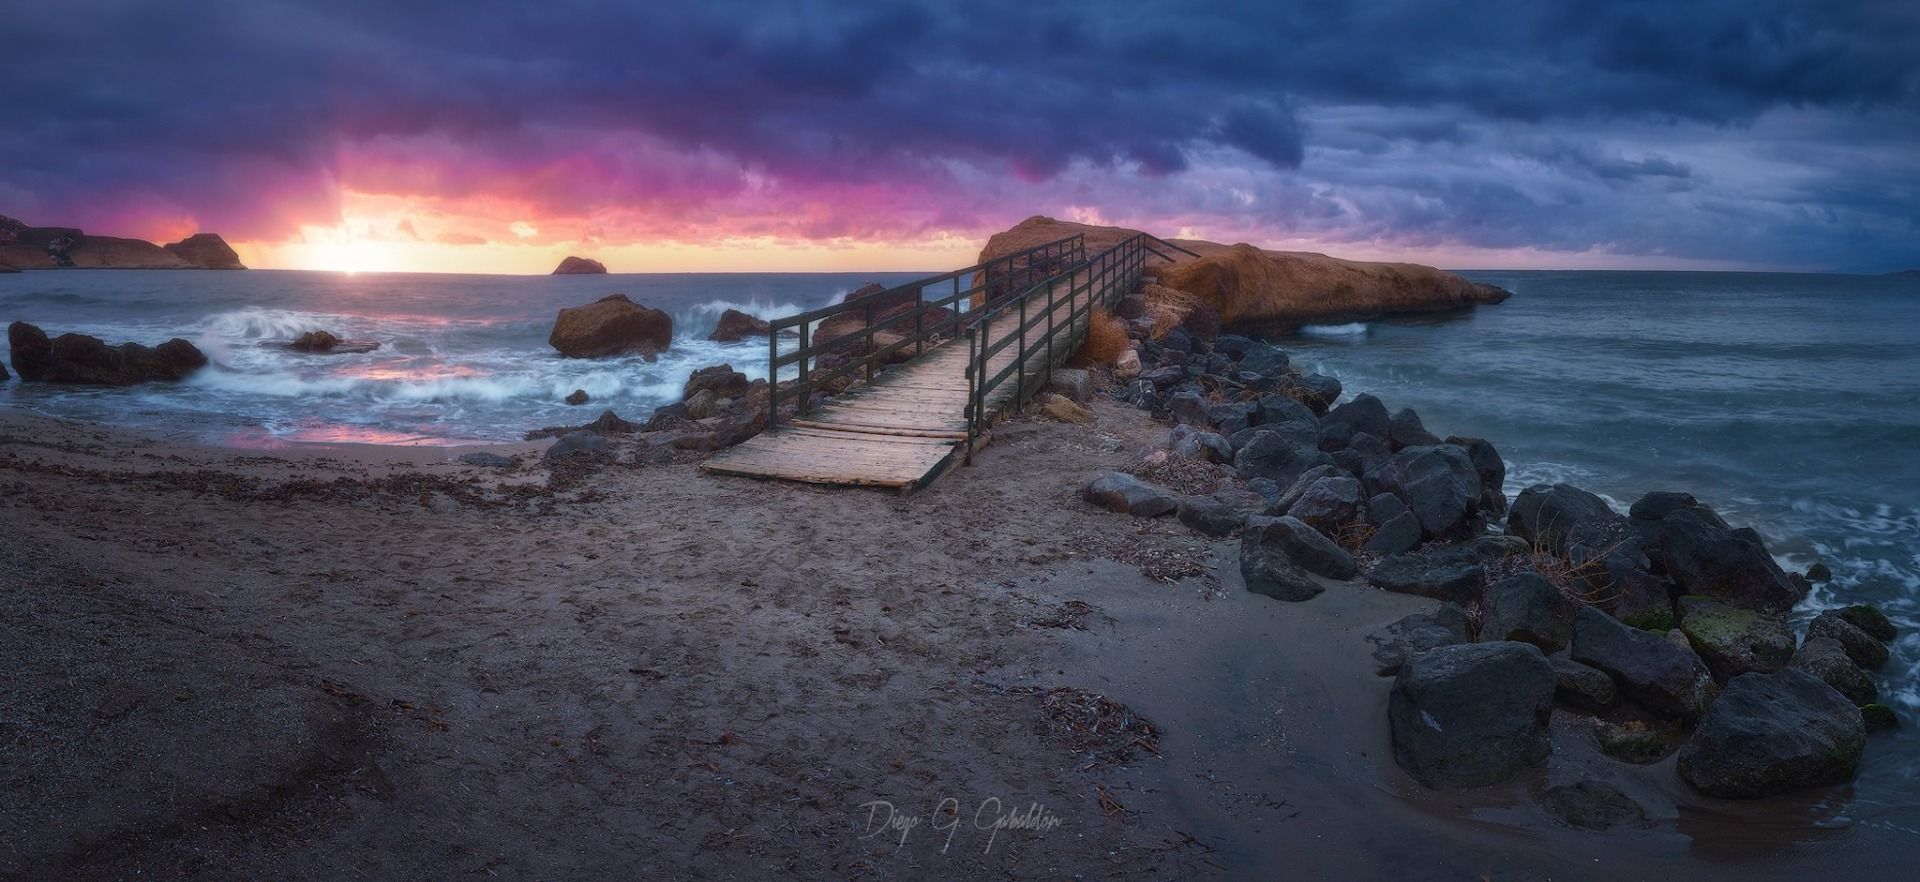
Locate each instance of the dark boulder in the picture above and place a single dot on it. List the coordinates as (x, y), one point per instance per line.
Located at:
(1267, 570)
(1636, 742)
(1472, 714)
(1329, 504)
(578, 445)
(1493, 473)
(1395, 643)
(1190, 408)
(1581, 686)
(1703, 557)
(1665, 678)
(1272, 454)
(1405, 430)
(1773, 733)
(612, 325)
(1592, 805)
(735, 326)
(721, 379)
(1878, 718)
(1451, 574)
(1860, 646)
(1302, 484)
(1300, 543)
(1548, 515)
(1870, 620)
(1734, 641)
(1126, 494)
(1399, 534)
(577, 397)
(1438, 483)
(1265, 361)
(1214, 515)
(1825, 658)
(1335, 437)
(1204, 446)
(1527, 608)
(1234, 346)
(1277, 409)
(1317, 391)
(1232, 416)
(1202, 324)
(1364, 413)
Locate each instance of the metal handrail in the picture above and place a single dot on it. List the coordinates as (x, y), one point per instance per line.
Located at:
(1019, 268)
(1104, 278)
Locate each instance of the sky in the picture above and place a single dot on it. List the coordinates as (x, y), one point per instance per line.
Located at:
(483, 136)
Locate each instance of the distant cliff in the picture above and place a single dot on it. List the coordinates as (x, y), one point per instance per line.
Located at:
(26, 247)
(1274, 291)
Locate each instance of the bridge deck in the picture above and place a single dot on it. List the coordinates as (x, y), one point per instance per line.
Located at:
(902, 430)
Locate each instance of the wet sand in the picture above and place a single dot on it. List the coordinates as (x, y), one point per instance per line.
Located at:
(341, 662)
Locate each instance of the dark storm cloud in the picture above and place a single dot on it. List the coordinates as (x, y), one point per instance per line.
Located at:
(207, 106)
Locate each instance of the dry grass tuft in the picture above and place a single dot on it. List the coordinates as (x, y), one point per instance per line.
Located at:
(1106, 340)
(1168, 307)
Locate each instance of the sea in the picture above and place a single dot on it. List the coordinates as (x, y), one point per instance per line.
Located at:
(1788, 402)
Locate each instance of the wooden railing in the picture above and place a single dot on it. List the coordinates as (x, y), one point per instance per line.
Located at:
(1051, 317)
(958, 297)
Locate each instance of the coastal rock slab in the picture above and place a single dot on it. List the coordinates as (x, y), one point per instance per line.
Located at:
(1417, 633)
(575, 445)
(1734, 641)
(735, 326)
(1825, 658)
(1665, 678)
(1773, 733)
(720, 379)
(612, 325)
(1547, 515)
(1212, 515)
(1581, 686)
(1364, 413)
(1859, 645)
(1450, 574)
(1300, 543)
(1471, 715)
(1493, 473)
(1126, 494)
(1267, 570)
(1274, 454)
(1870, 620)
(1329, 504)
(1527, 608)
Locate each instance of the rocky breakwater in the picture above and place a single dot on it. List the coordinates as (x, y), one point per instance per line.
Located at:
(1251, 289)
(27, 247)
(83, 360)
(1658, 629)
(610, 326)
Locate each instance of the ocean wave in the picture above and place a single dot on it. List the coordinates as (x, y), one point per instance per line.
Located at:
(1353, 329)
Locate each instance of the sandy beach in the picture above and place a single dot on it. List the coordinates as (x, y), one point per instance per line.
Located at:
(337, 662)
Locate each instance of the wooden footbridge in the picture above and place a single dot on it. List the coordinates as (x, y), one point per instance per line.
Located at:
(984, 339)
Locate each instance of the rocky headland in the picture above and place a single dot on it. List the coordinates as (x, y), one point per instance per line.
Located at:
(1270, 292)
(28, 247)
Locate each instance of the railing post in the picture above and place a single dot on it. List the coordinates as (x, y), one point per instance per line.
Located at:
(1020, 356)
(973, 397)
(805, 380)
(871, 358)
(773, 379)
(1050, 284)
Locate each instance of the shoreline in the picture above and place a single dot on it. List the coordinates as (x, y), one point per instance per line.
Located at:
(1249, 695)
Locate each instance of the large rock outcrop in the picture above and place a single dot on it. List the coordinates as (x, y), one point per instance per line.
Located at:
(612, 325)
(1273, 291)
(580, 266)
(735, 326)
(207, 251)
(84, 360)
